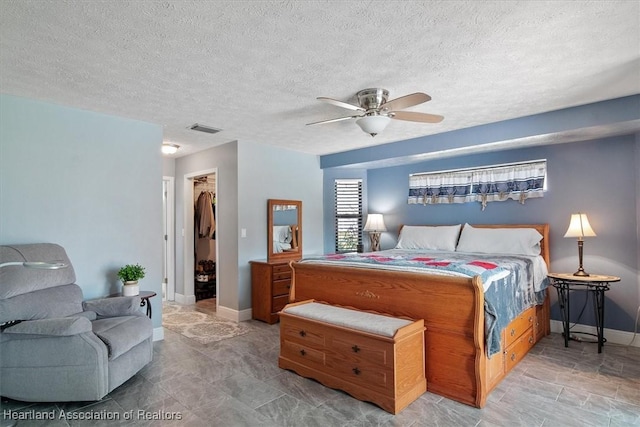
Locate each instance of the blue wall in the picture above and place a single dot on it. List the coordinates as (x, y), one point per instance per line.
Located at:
(597, 177)
(89, 182)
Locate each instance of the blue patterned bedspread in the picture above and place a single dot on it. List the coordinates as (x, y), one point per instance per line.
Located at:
(511, 283)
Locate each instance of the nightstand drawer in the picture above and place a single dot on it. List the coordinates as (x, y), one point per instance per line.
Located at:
(279, 302)
(280, 287)
(281, 272)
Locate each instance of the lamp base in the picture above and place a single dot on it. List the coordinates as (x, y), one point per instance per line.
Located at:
(581, 273)
(375, 241)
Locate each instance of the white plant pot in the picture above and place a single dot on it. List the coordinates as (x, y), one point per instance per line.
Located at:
(130, 289)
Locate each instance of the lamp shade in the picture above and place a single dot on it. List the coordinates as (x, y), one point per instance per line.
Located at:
(579, 226)
(373, 125)
(375, 223)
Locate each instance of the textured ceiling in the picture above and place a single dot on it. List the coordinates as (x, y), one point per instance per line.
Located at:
(254, 69)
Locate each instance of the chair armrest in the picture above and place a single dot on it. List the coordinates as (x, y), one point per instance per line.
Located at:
(114, 307)
(91, 315)
(58, 327)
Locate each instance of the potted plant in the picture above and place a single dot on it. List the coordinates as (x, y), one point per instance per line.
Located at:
(130, 274)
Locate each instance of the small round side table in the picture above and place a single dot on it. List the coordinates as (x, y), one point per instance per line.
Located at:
(144, 299)
(596, 284)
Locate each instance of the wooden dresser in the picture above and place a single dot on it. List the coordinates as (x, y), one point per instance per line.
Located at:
(386, 368)
(270, 285)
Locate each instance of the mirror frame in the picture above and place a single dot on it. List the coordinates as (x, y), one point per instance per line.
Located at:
(289, 255)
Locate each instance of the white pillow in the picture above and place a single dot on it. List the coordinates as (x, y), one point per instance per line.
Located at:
(514, 241)
(437, 237)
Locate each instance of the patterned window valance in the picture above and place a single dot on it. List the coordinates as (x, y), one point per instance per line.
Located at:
(517, 181)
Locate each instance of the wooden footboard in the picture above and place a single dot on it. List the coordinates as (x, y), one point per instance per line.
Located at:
(456, 362)
(453, 311)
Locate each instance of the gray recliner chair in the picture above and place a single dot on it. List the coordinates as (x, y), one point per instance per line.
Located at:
(64, 349)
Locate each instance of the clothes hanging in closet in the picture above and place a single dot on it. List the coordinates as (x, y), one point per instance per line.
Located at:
(205, 217)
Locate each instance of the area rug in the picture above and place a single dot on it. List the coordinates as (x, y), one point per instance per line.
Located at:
(198, 326)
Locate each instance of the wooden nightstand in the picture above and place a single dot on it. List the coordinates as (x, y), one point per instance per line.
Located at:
(270, 286)
(596, 284)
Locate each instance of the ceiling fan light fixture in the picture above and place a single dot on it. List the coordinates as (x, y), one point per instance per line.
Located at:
(170, 148)
(373, 124)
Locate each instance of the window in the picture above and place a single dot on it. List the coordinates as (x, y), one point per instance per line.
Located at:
(348, 199)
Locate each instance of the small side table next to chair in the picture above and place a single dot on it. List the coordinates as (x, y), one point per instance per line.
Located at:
(144, 299)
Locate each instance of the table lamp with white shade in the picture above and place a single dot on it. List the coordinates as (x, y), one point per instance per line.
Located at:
(375, 226)
(579, 227)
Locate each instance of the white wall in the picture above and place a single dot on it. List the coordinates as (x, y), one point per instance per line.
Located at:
(266, 172)
(225, 159)
(87, 181)
(248, 175)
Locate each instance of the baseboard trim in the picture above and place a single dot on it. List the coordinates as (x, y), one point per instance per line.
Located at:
(184, 299)
(158, 334)
(613, 336)
(224, 312)
(235, 315)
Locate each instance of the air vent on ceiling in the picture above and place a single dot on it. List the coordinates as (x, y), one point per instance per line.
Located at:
(203, 128)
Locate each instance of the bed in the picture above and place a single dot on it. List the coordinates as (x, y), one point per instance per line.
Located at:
(461, 362)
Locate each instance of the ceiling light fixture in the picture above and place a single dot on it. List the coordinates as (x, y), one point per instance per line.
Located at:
(373, 124)
(170, 148)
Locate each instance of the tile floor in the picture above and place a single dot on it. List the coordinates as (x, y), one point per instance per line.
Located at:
(237, 382)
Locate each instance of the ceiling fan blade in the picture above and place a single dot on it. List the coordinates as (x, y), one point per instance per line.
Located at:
(406, 101)
(341, 104)
(412, 116)
(339, 119)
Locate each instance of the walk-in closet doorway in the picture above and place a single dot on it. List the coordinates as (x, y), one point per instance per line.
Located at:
(201, 272)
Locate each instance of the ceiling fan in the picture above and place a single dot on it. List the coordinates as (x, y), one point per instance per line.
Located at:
(375, 111)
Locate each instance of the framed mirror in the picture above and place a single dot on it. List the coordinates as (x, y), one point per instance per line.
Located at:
(284, 229)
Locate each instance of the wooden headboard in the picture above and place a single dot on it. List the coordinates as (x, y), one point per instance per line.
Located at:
(541, 228)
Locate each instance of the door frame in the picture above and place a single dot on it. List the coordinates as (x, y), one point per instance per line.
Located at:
(188, 233)
(170, 237)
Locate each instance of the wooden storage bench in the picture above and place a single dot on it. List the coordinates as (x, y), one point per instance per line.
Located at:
(373, 357)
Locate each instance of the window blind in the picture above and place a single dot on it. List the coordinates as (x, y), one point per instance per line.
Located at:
(348, 205)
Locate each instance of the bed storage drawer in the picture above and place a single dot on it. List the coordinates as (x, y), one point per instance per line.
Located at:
(383, 364)
(518, 349)
(519, 326)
